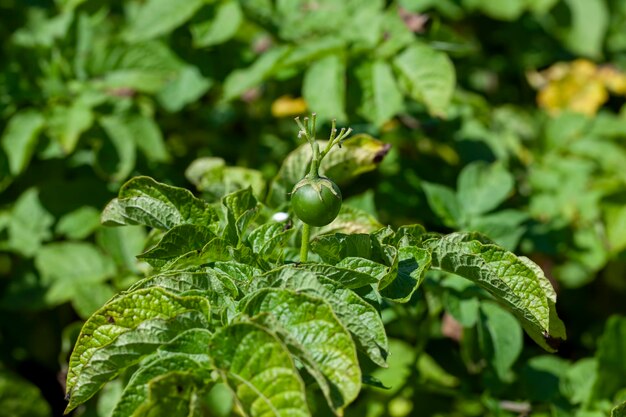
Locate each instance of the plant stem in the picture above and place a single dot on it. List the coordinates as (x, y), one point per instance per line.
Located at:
(304, 248)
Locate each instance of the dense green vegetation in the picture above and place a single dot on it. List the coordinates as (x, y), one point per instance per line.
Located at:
(497, 126)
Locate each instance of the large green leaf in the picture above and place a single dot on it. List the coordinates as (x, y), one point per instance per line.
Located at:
(325, 342)
(178, 241)
(333, 248)
(350, 272)
(167, 386)
(269, 238)
(260, 370)
(215, 285)
(121, 315)
(359, 317)
(142, 200)
(130, 347)
(381, 98)
(324, 87)
(516, 282)
(158, 17)
(429, 76)
(20, 137)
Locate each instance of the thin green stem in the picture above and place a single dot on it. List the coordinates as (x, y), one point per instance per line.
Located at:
(304, 246)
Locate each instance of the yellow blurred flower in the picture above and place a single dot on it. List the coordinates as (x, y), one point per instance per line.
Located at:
(285, 106)
(579, 86)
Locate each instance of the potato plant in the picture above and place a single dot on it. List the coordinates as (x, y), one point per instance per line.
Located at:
(228, 302)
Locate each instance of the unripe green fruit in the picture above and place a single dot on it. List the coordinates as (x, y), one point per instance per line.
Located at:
(316, 201)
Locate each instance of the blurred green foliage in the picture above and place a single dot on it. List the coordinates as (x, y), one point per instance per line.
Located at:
(92, 92)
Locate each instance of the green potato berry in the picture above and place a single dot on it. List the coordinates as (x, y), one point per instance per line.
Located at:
(316, 201)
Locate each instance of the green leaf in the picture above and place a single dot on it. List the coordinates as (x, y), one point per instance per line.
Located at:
(502, 338)
(429, 76)
(20, 137)
(122, 244)
(610, 356)
(461, 299)
(241, 209)
(615, 220)
(79, 223)
(144, 67)
(20, 398)
(41, 30)
(516, 282)
(147, 136)
(167, 386)
(578, 382)
(159, 17)
(130, 347)
(333, 248)
(223, 26)
(381, 98)
(541, 376)
(142, 200)
(359, 317)
(269, 238)
(178, 241)
(87, 298)
(123, 314)
(483, 187)
(412, 265)
(66, 267)
(187, 87)
(215, 285)
(401, 362)
(502, 10)
(589, 23)
(311, 323)
(328, 101)
(242, 80)
(350, 272)
(29, 224)
(260, 370)
(67, 123)
(211, 176)
(194, 343)
(312, 50)
(123, 140)
(444, 203)
(503, 227)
